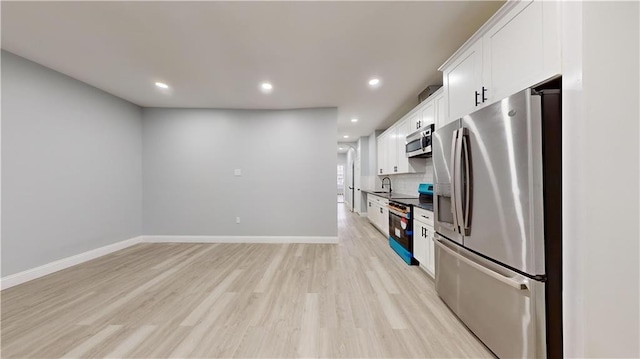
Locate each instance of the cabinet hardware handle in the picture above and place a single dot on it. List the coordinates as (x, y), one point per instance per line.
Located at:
(477, 94)
(380, 210)
(484, 98)
(381, 170)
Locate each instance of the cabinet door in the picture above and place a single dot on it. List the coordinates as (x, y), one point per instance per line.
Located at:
(463, 82)
(430, 251)
(442, 110)
(371, 211)
(385, 221)
(382, 154)
(392, 152)
(402, 130)
(428, 112)
(414, 122)
(419, 243)
(522, 49)
(375, 214)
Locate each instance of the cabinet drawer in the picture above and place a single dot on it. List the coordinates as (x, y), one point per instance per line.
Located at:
(376, 199)
(423, 215)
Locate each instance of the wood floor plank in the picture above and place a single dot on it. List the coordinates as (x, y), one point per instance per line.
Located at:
(133, 341)
(354, 299)
(91, 343)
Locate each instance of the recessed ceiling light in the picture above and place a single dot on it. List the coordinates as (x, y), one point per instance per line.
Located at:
(346, 136)
(265, 86)
(374, 82)
(340, 148)
(162, 85)
(354, 120)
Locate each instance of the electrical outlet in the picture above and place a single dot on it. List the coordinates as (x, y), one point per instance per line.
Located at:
(237, 219)
(237, 172)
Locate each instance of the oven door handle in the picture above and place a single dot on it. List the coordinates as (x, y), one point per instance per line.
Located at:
(397, 213)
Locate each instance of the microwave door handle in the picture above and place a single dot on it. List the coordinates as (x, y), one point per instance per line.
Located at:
(468, 188)
(453, 184)
(458, 183)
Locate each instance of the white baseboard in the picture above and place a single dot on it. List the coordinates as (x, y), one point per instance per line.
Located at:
(239, 239)
(33, 273)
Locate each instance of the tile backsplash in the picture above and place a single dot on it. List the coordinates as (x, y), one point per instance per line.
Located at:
(404, 183)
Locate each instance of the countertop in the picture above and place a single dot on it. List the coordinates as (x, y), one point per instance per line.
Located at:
(408, 199)
(393, 195)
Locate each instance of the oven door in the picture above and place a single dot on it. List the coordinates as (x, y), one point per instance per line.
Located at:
(400, 228)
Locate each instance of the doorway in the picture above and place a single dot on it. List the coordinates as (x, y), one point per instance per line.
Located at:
(340, 172)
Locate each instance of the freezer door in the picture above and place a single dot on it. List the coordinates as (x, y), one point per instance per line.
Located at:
(443, 143)
(502, 308)
(501, 204)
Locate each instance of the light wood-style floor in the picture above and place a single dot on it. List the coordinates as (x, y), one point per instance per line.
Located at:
(353, 299)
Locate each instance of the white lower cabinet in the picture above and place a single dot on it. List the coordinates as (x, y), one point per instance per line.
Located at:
(378, 213)
(420, 251)
(423, 246)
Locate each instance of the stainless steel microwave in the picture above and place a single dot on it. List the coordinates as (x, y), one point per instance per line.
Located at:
(419, 142)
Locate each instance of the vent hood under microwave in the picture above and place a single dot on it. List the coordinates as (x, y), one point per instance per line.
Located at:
(418, 144)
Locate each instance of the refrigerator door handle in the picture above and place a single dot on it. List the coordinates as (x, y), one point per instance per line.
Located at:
(457, 179)
(454, 212)
(466, 220)
(493, 274)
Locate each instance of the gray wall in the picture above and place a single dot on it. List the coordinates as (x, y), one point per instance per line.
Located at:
(365, 165)
(288, 168)
(71, 166)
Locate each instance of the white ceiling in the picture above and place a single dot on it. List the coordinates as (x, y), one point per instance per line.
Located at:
(215, 54)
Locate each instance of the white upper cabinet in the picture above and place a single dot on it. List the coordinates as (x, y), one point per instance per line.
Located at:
(428, 114)
(517, 48)
(415, 121)
(522, 48)
(382, 154)
(442, 109)
(403, 128)
(392, 151)
(463, 81)
(392, 158)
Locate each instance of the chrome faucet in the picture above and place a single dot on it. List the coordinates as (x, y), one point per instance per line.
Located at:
(389, 183)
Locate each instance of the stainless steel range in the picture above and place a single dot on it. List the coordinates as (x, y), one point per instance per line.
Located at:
(401, 230)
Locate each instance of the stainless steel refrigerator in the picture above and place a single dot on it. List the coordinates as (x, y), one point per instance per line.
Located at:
(498, 223)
